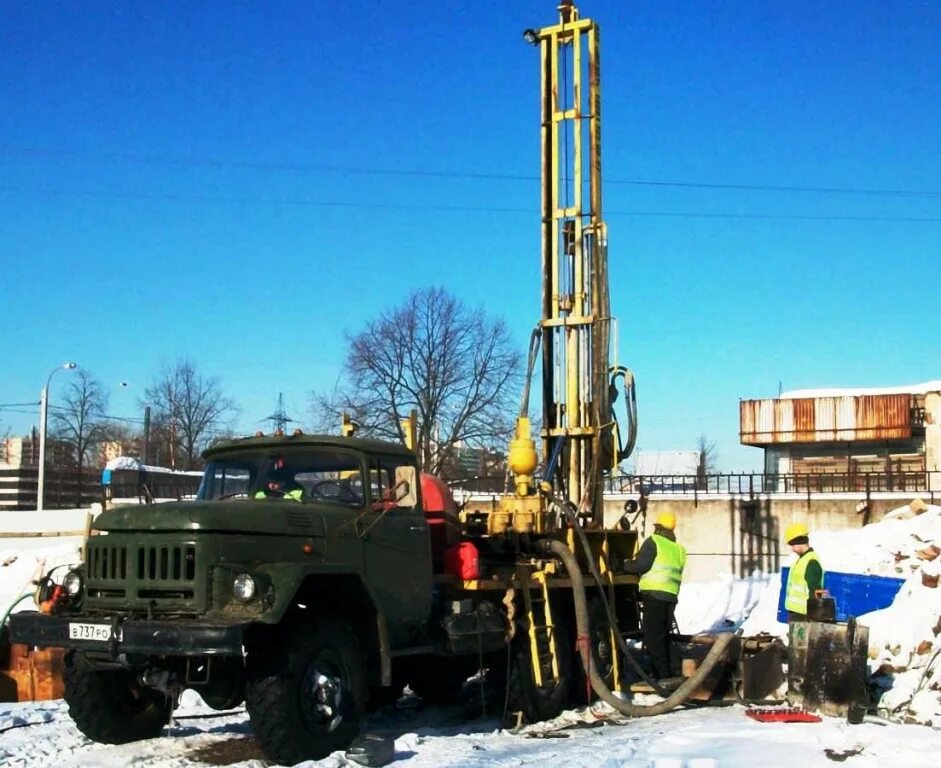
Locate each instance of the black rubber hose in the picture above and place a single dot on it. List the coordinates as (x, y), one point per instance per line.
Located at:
(569, 512)
(598, 684)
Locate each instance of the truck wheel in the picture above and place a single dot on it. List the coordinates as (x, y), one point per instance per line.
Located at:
(308, 702)
(110, 706)
(545, 701)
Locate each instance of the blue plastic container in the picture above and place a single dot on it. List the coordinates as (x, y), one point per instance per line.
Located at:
(853, 593)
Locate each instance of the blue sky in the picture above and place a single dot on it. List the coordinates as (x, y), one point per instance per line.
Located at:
(175, 179)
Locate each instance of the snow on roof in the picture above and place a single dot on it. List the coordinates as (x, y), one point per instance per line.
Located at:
(911, 389)
(132, 464)
(122, 462)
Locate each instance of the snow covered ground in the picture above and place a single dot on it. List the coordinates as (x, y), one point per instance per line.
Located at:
(905, 649)
(435, 738)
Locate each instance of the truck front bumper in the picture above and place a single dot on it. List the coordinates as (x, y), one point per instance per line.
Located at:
(123, 635)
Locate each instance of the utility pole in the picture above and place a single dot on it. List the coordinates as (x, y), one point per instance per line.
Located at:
(145, 459)
(43, 423)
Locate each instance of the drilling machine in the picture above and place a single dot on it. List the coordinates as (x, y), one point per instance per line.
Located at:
(579, 434)
(553, 528)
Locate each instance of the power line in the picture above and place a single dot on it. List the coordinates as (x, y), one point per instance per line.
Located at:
(264, 201)
(294, 166)
(782, 188)
(428, 207)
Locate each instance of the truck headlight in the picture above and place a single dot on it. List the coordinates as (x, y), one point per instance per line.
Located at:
(244, 587)
(72, 583)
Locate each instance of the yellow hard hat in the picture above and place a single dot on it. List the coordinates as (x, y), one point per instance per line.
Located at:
(795, 531)
(666, 520)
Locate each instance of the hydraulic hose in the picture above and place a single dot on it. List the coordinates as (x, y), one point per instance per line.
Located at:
(598, 684)
(630, 407)
(569, 511)
(534, 341)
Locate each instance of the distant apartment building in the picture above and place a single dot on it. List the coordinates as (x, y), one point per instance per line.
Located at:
(891, 432)
(18, 452)
(112, 449)
(23, 452)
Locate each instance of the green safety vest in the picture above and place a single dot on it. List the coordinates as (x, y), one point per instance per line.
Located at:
(667, 570)
(294, 495)
(797, 593)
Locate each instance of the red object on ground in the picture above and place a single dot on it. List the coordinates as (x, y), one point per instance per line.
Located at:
(790, 715)
(463, 561)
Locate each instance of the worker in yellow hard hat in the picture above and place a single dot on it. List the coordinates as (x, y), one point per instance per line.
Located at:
(659, 563)
(806, 575)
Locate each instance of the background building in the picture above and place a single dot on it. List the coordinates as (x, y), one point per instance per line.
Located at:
(892, 435)
(667, 470)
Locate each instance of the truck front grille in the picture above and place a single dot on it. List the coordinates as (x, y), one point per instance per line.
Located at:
(107, 563)
(166, 563)
(169, 563)
(160, 576)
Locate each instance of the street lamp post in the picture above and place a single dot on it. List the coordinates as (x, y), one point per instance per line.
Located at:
(43, 420)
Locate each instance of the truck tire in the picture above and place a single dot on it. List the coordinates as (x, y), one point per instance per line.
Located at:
(307, 702)
(523, 695)
(110, 706)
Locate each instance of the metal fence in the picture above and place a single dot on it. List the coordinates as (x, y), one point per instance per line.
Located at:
(742, 483)
(64, 489)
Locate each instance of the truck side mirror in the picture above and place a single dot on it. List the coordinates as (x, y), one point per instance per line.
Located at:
(406, 493)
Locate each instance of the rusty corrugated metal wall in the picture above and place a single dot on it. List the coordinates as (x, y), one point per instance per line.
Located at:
(825, 419)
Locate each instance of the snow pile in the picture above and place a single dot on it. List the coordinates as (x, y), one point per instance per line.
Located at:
(724, 605)
(889, 547)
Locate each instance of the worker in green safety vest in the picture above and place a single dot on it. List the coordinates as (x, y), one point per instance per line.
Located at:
(659, 563)
(281, 489)
(806, 575)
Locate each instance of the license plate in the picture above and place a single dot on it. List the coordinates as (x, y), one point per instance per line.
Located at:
(101, 632)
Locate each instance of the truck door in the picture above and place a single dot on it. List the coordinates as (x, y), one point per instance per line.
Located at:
(397, 550)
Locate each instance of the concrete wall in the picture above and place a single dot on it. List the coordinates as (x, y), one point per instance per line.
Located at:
(740, 536)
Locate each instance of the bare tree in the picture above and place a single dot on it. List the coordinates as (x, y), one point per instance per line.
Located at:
(455, 366)
(187, 407)
(708, 457)
(80, 424)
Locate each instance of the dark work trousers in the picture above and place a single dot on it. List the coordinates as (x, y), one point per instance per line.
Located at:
(657, 625)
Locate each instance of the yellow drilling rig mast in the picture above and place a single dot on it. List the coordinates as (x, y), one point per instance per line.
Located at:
(580, 437)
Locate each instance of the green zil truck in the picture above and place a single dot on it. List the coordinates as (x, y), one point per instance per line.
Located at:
(308, 580)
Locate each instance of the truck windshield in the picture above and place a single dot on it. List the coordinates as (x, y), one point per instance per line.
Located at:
(298, 476)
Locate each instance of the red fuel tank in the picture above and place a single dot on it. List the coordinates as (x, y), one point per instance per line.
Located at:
(463, 561)
(444, 525)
